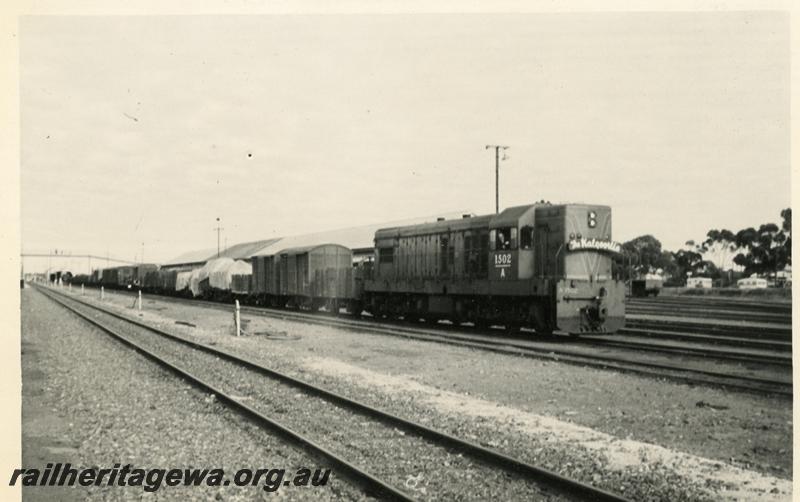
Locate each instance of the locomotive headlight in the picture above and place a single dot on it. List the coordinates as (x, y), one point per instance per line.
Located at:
(592, 219)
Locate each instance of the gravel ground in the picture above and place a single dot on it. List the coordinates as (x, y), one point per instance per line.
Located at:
(97, 403)
(428, 471)
(732, 430)
(568, 347)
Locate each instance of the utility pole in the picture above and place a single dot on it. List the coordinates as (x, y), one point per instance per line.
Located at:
(142, 257)
(218, 229)
(497, 149)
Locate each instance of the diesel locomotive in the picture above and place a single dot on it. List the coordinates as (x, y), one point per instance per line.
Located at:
(542, 266)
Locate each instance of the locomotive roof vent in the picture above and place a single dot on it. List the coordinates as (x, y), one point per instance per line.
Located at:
(465, 216)
(439, 219)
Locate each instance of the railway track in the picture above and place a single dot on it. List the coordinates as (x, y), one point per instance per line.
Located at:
(732, 341)
(528, 348)
(700, 313)
(726, 304)
(749, 332)
(129, 331)
(777, 359)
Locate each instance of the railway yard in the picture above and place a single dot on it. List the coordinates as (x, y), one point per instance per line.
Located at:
(498, 252)
(691, 400)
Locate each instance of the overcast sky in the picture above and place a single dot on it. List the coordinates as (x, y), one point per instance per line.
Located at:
(146, 129)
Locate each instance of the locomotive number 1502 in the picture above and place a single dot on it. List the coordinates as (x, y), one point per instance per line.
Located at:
(502, 259)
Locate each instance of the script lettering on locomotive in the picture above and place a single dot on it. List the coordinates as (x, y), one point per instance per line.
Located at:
(595, 245)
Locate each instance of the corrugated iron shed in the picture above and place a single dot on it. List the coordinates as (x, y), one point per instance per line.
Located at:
(190, 258)
(245, 250)
(355, 238)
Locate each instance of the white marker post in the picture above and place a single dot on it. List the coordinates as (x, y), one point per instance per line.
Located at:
(237, 320)
(81, 289)
(140, 299)
(102, 291)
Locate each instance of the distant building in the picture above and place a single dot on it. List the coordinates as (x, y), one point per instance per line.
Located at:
(784, 277)
(752, 282)
(699, 282)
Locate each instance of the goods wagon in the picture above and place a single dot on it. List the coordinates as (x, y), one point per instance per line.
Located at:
(213, 280)
(266, 280)
(182, 280)
(160, 281)
(152, 281)
(110, 277)
(542, 266)
(167, 280)
(316, 276)
(126, 276)
(240, 284)
(220, 274)
(80, 279)
(140, 273)
(198, 280)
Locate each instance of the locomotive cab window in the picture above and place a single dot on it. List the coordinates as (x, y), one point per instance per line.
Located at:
(505, 238)
(526, 238)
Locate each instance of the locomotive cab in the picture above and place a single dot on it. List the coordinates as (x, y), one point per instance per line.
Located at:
(511, 246)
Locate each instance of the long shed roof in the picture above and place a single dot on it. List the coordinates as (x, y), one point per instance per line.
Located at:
(359, 237)
(191, 257)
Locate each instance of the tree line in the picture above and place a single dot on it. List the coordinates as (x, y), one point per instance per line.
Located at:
(763, 251)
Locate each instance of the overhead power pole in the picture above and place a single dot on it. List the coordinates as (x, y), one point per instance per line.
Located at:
(497, 149)
(218, 229)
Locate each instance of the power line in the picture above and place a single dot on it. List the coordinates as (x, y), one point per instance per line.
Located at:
(218, 229)
(497, 149)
